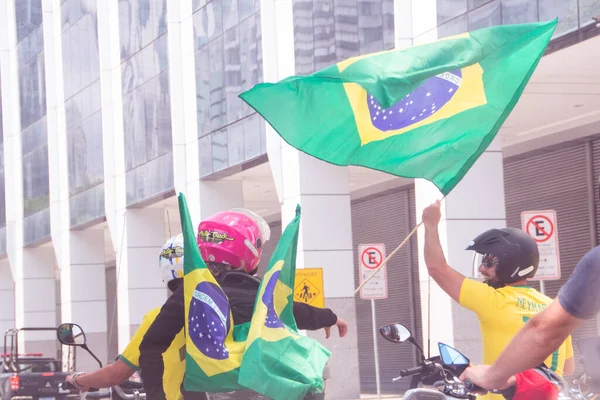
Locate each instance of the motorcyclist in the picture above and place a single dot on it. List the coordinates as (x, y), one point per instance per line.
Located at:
(503, 303)
(231, 244)
(578, 300)
(171, 269)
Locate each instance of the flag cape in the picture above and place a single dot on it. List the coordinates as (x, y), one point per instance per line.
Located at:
(213, 353)
(266, 355)
(278, 362)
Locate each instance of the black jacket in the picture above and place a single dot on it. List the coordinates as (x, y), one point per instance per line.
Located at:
(241, 290)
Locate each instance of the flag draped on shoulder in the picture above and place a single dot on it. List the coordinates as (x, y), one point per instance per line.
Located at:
(428, 111)
(213, 356)
(278, 362)
(265, 355)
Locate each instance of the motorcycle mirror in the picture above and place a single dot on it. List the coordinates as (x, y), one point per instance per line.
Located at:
(70, 335)
(396, 333)
(452, 357)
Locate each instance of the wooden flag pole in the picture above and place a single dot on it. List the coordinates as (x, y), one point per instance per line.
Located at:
(388, 257)
(391, 254)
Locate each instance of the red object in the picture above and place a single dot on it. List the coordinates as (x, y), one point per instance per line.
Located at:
(15, 382)
(533, 386)
(23, 355)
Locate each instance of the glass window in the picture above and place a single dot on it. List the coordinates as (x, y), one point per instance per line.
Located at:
(324, 33)
(32, 99)
(370, 26)
(304, 42)
(218, 109)
(389, 39)
(448, 9)
(252, 136)
(453, 27)
(233, 75)
(565, 10)
(146, 98)
(235, 141)
(203, 91)
(587, 10)
(471, 4)
(346, 28)
(485, 16)
(228, 61)
(230, 14)
(219, 150)
(519, 11)
(81, 69)
(245, 8)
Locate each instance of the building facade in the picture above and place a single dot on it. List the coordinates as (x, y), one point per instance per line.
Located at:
(108, 109)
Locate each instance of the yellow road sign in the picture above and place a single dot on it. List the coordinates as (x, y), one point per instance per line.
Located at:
(309, 287)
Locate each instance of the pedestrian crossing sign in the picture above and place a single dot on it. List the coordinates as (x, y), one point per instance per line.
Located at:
(309, 287)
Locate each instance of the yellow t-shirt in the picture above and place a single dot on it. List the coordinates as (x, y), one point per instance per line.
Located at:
(502, 313)
(173, 357)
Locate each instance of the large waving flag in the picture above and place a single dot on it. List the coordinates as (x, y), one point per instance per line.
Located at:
(278, 362)
(214, 352)
(428, 111)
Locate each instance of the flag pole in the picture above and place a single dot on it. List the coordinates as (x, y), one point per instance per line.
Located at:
(384, 262)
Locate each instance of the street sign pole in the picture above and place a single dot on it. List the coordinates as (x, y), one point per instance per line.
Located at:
(376, 352)
(370, 257)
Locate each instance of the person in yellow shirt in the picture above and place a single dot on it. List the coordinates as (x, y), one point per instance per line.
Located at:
(171, 264)
(504, 302)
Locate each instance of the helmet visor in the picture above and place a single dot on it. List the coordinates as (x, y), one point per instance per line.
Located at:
(485, 260)
(263, 228)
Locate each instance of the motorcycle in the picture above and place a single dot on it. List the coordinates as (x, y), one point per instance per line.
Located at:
(441, 371)
(131, 389)
(587, 386)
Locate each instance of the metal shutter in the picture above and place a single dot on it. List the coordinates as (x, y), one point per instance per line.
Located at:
(555, 179)
(388, 218)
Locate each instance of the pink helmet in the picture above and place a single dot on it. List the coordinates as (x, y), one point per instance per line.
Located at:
(234, 237)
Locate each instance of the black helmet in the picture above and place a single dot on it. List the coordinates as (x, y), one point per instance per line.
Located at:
(517, 253)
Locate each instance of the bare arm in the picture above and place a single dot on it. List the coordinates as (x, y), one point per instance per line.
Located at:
(443, 274)
(569, 366)
(111, 375)
(542, 335)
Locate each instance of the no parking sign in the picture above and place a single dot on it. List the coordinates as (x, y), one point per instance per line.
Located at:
(541, 226)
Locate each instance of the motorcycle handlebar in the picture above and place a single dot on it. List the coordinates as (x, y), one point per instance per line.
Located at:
(135, 396)
(67, 386)
(413, 371)
(471, 387)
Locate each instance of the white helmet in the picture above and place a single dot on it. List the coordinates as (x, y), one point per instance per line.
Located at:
(170, 260)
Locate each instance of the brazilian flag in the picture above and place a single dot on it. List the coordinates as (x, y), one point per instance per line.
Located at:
(265, 355)
(428, 111)
(214, 348)
(278, 362)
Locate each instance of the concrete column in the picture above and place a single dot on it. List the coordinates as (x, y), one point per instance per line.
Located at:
(32, 268)
(113, 152)
(13, 159)
(323, 192)
(182, 76)
(7, 297)
(216, 196)
(464, 216)
(36, 299)
(12, 164)
(423, 14)
(140, 287)
(83, 287)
